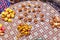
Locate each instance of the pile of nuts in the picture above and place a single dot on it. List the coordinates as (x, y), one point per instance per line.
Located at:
(8, 14)
(55, 22)
(24, 29)
(2, 29)
(28, 10)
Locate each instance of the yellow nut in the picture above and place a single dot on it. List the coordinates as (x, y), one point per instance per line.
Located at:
(8, 16)
(4, 13)
(0, 25)
(19, 27)
(12, 16)
(30, 27)
(24, 29)
(2, 16)
(6, 19)
(10, 11)
(9, 20)
(13, 13)
(27, 33)
(22, 32)
(7, 9)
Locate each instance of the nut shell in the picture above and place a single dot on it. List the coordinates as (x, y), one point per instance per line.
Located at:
(42, 19)
(41, 15)
(35, 21)
(1, 34)
(29, 19)
(20, 10)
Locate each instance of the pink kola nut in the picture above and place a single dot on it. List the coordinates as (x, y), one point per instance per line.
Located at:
(3, 28)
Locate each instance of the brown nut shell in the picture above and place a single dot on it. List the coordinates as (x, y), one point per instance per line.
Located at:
(41, 15)
(42, 19)
(51, 22)
(20, 17)
(56, 24)
(20, 10)
(25, 14)
(1, 34)
(57, 19)
(25, 19)
(35, 21)
(35, 15)
(29, 19)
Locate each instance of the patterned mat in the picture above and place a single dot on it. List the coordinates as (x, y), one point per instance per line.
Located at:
(41, 29)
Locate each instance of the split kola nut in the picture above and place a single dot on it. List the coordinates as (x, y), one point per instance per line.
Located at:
(2, 29)
(55, 22)
(8, 14)
(24, 29)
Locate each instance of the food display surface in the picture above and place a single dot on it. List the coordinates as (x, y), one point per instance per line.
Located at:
(34, 13)
(4, 4)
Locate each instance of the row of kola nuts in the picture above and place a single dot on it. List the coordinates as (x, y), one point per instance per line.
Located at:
(2, 29)
(29, 18)
(28, 10)
(24, 29)
(30, 5)
(23, 7)
(55, 22)
(7, 14)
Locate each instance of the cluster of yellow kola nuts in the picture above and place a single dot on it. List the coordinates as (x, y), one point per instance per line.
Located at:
(8, 14)
(2, 29)
(24, 30)
(55, 22)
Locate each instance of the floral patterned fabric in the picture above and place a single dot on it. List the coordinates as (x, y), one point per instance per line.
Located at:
(4, 4)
